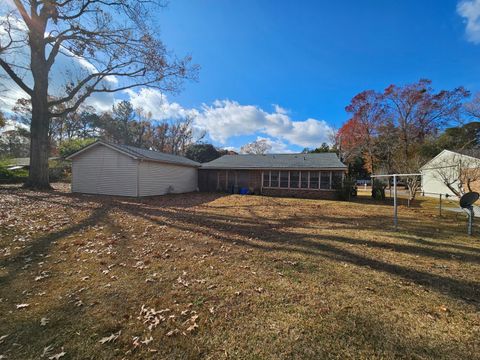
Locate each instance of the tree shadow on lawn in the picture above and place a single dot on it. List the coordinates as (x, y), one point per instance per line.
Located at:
(363, 334)
(260, 234)
(42, 244)
(171, 200)
(268, 238)
(79, 329)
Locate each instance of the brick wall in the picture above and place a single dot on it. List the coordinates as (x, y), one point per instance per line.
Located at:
(300, 193)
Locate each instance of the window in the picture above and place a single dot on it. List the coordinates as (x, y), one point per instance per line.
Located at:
(294, 178)
(284, 179)
(313, 179)
(304, 179)
(266, 179)
(325, 180)
(337, 177)
(274, 179)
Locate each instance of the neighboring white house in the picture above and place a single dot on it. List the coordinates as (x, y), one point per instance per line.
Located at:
(449, 167)
(113, 169)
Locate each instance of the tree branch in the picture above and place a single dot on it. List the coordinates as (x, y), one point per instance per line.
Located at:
(15, 77)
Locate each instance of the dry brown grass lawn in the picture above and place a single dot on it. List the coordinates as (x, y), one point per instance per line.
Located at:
(237, 277)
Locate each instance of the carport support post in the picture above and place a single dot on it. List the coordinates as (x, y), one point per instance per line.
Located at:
(395, 212)
(440, 205)
(470, 220)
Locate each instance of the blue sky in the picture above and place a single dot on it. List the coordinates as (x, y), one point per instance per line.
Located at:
(312, 57)
(285, 70)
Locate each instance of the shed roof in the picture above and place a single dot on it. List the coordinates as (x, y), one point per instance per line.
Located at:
(143, 154)
(277, 161)
(474, 154)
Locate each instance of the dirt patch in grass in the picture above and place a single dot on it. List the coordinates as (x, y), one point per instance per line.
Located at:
(238, 277)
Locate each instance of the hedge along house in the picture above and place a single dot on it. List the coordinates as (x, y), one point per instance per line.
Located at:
(295, 175)
(112, 169)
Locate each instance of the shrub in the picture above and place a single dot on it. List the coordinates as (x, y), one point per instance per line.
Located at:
(60, 170)
(378, 189)
(68, 147)
(12, 176)
(346, 189)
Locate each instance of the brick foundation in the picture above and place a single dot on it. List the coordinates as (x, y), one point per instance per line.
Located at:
(300, 193)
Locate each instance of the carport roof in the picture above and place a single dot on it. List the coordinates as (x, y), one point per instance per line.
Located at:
(277, 161)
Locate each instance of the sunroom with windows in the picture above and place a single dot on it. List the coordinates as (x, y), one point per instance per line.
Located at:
(301, 179)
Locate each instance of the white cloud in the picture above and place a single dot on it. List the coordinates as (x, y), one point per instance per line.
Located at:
(276, 146)
(279, 109)
(226, 119)
(470, 10)
(154, 102)
(101, 102)
(12, 125)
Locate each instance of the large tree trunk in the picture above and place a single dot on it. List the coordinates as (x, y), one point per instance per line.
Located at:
(39, 146)
(39, 138)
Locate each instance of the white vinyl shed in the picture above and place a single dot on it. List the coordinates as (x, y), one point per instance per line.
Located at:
(113, 169)
(444, 168)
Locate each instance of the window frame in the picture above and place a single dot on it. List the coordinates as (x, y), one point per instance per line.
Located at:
(327, 175)
(317, 172)
(282, 172)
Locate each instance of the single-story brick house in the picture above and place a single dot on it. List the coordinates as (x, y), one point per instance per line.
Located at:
(302, 175)
(113, 169)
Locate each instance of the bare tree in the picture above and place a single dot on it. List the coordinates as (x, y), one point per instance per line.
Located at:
(472, 107)
(460, 173)
(411, 166)
(116, 40)
(417, 111)
(258, 147)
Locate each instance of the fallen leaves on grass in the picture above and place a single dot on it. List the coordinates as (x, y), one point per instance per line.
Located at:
(192, 327)
(152, 317)
(57, 356)
(43, 275)
(46, 350)
(183, 282)
(173, 332)
(3, 337)
(147, 340)
(111, 338)
(44, 321)
(193, 322)
(22, 306)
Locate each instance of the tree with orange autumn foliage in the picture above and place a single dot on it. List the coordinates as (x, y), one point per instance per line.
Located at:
(358, 136)
(388, 129)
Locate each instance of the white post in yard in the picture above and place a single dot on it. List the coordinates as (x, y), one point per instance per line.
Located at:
(395, 211)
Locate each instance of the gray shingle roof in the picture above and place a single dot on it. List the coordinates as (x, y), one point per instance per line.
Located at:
(143, 154)
(277, 161)
(156, 155)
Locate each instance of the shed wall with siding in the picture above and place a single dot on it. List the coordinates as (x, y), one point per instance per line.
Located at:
(162, 178)
(102, 170)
